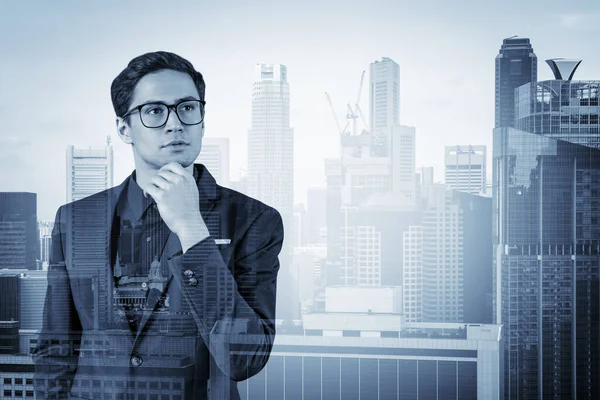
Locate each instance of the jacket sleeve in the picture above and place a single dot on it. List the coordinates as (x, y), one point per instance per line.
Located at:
(54, 356)
(238, 309)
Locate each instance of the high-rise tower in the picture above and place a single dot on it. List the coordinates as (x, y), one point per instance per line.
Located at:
(516, 65)
(384, 90)
(89, 171)
(270, 173)
(546, 208)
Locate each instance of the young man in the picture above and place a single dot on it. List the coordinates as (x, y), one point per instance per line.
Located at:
(164, 285)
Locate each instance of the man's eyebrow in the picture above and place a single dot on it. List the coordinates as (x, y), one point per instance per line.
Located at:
(179, 100)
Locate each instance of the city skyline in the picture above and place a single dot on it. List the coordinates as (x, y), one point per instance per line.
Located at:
(398, 238)
(436, 68)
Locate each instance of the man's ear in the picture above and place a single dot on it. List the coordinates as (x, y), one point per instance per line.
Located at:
(123, 130)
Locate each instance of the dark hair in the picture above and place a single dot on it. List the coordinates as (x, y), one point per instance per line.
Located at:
(122, 87)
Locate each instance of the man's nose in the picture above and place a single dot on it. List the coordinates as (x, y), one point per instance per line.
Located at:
(173, 122)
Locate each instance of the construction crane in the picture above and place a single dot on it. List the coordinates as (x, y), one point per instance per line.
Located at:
(353, 111)
(337, 122)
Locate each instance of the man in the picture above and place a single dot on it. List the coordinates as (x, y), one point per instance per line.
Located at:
(164, 286)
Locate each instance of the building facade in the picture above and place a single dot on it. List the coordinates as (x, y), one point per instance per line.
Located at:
(215, 157)
(19, 245)
(443, 361)
(516, 65)
(465, 168)
(546, 228)
(560, 109)
(270, 174)
(89, 171)
(384, 102)
(547, 262)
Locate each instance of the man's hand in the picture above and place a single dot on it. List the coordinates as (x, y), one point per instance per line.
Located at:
(176, 195)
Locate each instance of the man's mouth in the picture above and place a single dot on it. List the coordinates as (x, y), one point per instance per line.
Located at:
(176, 143)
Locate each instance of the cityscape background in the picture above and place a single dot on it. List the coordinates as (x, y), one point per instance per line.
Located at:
(438, 177)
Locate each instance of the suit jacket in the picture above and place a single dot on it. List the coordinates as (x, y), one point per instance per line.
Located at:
(208, 323)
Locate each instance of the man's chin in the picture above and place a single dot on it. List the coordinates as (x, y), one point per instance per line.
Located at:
(184, 162)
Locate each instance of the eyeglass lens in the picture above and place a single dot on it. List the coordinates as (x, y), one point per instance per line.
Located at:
(155, 114)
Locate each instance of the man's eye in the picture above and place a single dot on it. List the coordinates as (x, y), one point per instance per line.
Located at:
(188, 107)
(154, 110)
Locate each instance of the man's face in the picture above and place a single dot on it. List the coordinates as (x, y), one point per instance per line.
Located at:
(153, 147)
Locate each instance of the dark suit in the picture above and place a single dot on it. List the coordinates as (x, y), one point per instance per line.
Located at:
(87, 350)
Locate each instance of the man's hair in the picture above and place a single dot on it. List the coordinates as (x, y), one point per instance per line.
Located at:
(122, 87)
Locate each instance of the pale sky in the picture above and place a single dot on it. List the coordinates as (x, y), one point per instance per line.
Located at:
(58, 60)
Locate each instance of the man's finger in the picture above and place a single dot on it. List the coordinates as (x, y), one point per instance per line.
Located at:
(160, 182)
(153, 191)
(169, 176)
(175, 168)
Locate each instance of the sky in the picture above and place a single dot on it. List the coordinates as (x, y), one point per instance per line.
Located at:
(59, 58)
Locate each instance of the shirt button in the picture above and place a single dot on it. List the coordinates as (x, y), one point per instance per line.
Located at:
(188, 273)
(193, 282)
(148, 239)
(136, 361)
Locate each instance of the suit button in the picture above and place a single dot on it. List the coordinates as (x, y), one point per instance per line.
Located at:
(136, 361)
(188, 273)
(193, 282)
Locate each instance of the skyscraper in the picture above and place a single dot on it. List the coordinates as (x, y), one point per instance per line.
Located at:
(516, 65)
(561, 108)
(455, 255)
(89, 171)
(351, 180)
(384, 89)
(18, 230)
(45, 238)
(546, 216)
(412, 273)
(316, 215)
(466, 168)
(270, 175)
(215, 156)
(402, 157)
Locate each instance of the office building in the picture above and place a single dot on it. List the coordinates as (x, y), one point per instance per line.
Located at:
(33, 293)
(456, 257)
(316, 225)
(18, 230)
(516, 65)
(412, 273)
(384, 103)
(546, 215)
(214, 155)
(465, 168)
(89, 171)
(299, 235)
(270, 174)
(390, 360)
(45, 238)
(561, 109)
(403, 161)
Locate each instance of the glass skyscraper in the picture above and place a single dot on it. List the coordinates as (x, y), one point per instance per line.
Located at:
(546, 207)
(19, 246)
(516, 65)
(566, 110)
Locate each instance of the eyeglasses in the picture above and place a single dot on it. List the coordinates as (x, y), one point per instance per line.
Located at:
(155, 115)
